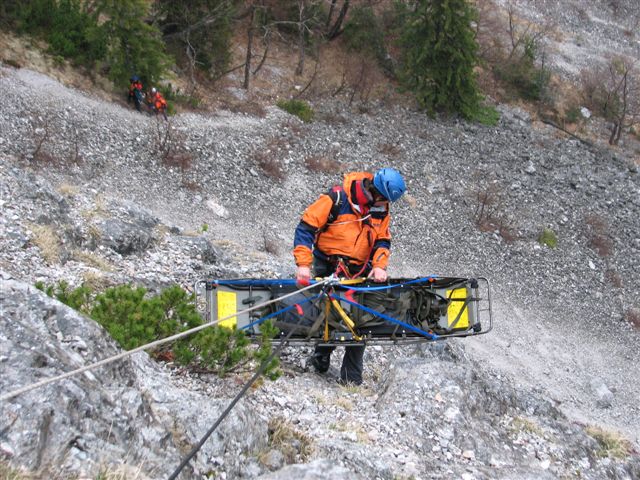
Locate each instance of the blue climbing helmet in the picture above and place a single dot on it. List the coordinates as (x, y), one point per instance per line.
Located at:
(390, 184)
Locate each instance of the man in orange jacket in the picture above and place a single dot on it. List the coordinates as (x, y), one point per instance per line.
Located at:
(157, 103)
(346, 231)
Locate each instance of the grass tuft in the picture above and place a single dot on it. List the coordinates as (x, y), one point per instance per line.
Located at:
(294, 445)
(612, 444)
(47, 240)
(548, 237)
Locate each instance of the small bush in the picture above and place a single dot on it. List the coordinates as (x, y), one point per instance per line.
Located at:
(299, 108)
(598, 232)
(134, 318)
(573, 115)
(389, 149)
(548, 238)
(270, 165)
(253, 109)
(521, 73)
(12, 63)
(487, 115)
(489, 216)
(614, 278)
(633, 317)
(267, 158)
(77, 298)
(322, 163)
(7, 472)
(527, 80)
(176, 96)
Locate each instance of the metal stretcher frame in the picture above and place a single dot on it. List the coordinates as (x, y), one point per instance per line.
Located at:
(224, 297)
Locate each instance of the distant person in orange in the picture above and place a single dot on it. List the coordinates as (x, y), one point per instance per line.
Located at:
(157, 103)
(346, 232)
(135, 92)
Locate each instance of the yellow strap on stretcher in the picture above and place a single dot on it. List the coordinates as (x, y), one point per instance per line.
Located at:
(345, 318)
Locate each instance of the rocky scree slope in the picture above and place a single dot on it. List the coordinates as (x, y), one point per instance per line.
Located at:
(433, 414)
(120, 214)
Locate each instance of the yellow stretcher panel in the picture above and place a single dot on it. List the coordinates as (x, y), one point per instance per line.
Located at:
(227, 306)
(455, 307)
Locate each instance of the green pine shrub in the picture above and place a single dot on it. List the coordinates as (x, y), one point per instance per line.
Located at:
(134, 318)
(364, 33)
(108, 34)
(78, 298)
(439, 56)
(70, 31)
(299, 108)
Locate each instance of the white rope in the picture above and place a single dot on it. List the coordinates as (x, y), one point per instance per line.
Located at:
(153, 344)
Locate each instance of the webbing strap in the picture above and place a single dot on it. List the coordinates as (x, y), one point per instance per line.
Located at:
(431, 336)
(278, 312)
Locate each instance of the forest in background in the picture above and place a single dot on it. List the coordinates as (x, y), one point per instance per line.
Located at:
(447, 54)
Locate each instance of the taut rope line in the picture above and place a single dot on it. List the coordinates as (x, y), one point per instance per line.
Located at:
(46, 381)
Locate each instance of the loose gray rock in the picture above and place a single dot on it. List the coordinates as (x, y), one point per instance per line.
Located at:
(316, 470)
(125, 238)
(128, 412)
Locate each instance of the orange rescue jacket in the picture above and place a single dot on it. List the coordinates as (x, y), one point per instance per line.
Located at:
(158, 101)
(357, 232)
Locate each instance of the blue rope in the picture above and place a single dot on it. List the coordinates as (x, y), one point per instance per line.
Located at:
(271, 315)
(431, 336)
(386, 287)
(251, 282)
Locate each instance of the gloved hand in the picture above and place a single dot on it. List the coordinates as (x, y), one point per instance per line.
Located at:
(303, 275)
(378, 274)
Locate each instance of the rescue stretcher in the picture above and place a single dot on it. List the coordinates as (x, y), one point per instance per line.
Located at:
(354, 311)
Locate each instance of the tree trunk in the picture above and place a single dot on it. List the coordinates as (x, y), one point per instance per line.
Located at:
(267, 43)
(331, 8)
(336, 29)
(615, 133)
(301, 27)
(247, 62)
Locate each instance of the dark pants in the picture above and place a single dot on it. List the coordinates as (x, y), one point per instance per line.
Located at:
(136, 97)
(352, 362)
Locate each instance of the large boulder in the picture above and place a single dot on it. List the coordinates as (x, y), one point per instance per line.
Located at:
(125, 238)
(127, 412)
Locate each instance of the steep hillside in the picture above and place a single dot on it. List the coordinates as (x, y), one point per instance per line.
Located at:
(90, 193)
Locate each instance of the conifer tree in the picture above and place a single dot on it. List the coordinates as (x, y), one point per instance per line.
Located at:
(439, 57)
(199, 31)
(134, 46)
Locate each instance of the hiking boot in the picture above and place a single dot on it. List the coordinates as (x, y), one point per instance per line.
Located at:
(320, 362)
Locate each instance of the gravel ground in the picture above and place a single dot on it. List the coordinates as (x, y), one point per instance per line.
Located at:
(560, 329)
(584, 31)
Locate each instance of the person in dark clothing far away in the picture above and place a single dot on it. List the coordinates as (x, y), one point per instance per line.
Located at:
(135, 92)
(346, 231)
